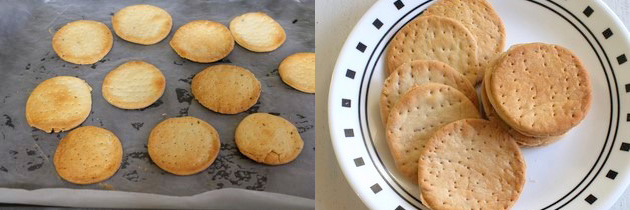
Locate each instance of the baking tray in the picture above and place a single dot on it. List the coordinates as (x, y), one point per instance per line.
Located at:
(27, 59)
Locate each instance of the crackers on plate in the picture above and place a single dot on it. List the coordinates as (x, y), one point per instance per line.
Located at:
(202, 41)
(471, 164)
(298, 71)
(88, 155)
(59, 104)
(435, 38)
(257, 32)
(539, 89)
(83, 41)
(183, 145)
(133, 85)
(532, 94)
(142, 24)
(268, 139)
(420, 72)
(416, 115)
(226, 89)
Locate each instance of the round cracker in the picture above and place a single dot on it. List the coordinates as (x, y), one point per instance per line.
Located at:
(202, 41)
(416, 115)
(59, 104)
(268, 139)
(421, 72)
(435, 38)
(298, 71)
(478, 17)
(540, 89)
(471, 164)
(183, 145)
(88, 155)
(522, 140)
(226, 89)
(257, 32)
(83, 41)
(142, 24)
(133, 85)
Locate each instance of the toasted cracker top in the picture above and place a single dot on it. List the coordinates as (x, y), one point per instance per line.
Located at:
(540, 89)
(83, 41)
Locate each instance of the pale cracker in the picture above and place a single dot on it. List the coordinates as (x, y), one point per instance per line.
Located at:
(202, 41)
(226, 89)
(416, 115)
(83, 41)
(298, 71)
(540, 89)
(133, 85)
(183, 145)
(142, 24)
(522, 140)
(268, 139)
(435, 38)
(59, 104)
(471, 164)
(478, 17)
(88, 155)
(420, 72)
(257, 32)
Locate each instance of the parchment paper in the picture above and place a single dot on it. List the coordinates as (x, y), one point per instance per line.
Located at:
(27, 58)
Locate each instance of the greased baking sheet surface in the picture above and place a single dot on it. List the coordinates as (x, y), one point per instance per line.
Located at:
(27, 59)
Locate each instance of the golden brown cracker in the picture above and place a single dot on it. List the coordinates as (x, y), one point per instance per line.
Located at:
(133, 85)
(59, 104)
(420, 72)
(471, 164)
(540, 89)
(142, 24)
(183, 145)
(88, 155)
(435, 38)
(83, 41)
(226, 89)
(478, 17)
(416, 115)
(257, 32)
(298, 71)
(268, 139)
(202, 41)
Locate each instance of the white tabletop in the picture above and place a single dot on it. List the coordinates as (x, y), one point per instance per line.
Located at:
(334, 21)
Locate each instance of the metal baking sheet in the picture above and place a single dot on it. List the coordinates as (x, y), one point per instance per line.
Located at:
(27, 58)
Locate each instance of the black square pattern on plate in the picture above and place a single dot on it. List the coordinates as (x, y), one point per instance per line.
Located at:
(376, 188)
(399, 5)
(345, 102)
(611, 174)
(627, 88)
(588, 11)
(625, 146)
(628, 117)
(359, 162)
(361, 47)
(348, 132)
(622, 59)
(607, 33)
(399, 208)
(377, 23)
(350, 74)
(590, 199)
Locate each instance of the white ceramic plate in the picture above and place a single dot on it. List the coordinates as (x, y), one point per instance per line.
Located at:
(588, 169)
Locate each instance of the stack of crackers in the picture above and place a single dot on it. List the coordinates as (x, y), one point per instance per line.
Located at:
(183, 145)
(530, 96)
